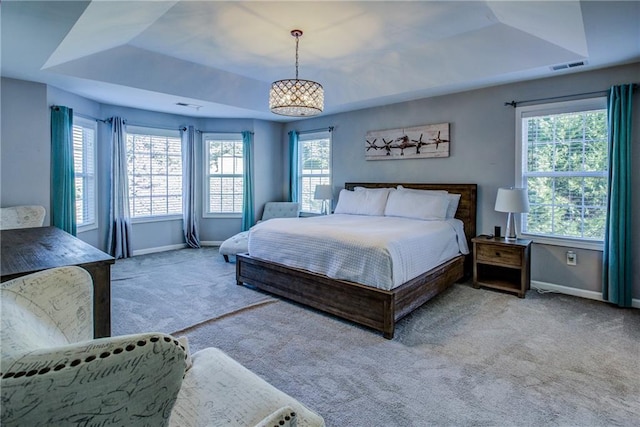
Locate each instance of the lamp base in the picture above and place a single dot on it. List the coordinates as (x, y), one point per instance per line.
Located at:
(510, 233)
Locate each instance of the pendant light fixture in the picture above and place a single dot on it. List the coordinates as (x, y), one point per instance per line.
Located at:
(295, 97)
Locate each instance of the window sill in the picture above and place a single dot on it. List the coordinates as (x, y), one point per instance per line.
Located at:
(222, 215)
(145, 219)
(88, 227)
(568, 243)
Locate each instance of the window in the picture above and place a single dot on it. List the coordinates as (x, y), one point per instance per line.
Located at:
(84, 166)
(314, 157)
(154, 165)
(563, 163)
(223, 173)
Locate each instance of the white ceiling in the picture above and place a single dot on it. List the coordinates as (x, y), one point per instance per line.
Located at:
(223, 55)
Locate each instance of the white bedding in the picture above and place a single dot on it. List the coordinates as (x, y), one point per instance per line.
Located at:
(377, 251)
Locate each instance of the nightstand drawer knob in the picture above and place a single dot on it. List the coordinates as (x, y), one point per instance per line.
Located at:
(497, 253)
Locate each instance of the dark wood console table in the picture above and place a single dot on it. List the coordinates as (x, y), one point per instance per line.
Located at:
(27, 250)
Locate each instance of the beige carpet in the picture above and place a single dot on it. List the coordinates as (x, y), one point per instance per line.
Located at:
(469, 357)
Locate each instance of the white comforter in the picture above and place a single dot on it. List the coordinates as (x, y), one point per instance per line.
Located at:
(377, 251)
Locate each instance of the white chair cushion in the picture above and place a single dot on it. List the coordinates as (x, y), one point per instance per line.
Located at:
(21, 217)
(218, 391)
(283, 417)
(235, 244)
(30, 320)
(280, 210)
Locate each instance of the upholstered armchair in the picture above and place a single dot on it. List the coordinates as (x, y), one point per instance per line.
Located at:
(239, 243)
(55, 374)
(21, 217)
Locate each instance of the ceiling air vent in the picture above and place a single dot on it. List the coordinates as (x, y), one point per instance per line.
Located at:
(184, 104)
(568, 65)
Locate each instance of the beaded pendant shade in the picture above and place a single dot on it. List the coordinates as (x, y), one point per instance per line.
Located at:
(295, 97)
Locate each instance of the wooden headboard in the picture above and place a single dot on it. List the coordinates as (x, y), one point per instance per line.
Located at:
(466, 209)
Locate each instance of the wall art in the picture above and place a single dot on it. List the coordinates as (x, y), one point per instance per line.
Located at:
(408, 143)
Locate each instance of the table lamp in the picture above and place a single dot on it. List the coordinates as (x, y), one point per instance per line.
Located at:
(512, 200)
(324, 193)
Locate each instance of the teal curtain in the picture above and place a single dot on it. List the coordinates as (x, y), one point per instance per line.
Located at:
(247, 181)
(617, 259)
(293, 166)
(189, 212)
(63, 188)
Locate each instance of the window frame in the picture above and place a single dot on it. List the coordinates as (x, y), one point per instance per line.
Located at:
(161, 132)
(573, 106)
(235, 137)
(91, 125)
(302, 138)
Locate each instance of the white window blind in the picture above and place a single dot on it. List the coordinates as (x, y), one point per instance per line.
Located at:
(223, 178)
(154, 166)
(564, 166)
(314, 153)
(84, 165)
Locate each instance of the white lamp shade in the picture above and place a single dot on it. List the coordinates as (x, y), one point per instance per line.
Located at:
(323, 192)
(512, 200)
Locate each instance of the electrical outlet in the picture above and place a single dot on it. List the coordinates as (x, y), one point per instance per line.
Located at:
(572, 258)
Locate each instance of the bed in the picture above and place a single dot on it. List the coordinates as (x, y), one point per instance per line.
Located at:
(369, 306)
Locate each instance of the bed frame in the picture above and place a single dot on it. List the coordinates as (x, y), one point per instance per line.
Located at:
(376, 308)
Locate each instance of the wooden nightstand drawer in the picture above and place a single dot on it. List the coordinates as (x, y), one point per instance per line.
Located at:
(497, 254)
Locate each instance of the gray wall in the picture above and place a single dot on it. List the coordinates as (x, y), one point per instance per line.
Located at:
(144, 235)
(25, 148)
(267, 171)
(482, 151)
(268, 164)
(25, 159)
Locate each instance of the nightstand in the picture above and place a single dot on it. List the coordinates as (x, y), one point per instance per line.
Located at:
(502, 264)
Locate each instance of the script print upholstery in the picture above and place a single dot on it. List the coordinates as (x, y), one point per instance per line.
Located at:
(54, 374)
(48, 378)
(218, 391)
(21, 217)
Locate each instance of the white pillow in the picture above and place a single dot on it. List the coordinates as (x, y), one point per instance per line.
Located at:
(361, 202)
(387, 189)
(419, 206)
(415, 190)
(454, 199)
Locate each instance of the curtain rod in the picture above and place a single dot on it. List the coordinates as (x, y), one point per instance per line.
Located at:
(110, 119)
(126, 122)
(221, 131)
(514, 104)
(86, 116)
(330, 129)
(182, 128)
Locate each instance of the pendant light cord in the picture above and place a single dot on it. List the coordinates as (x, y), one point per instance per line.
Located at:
(297, 40)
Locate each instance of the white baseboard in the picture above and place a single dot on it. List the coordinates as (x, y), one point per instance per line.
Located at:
(159, 249)
(211, 243)
(173, 247)
(567, 290)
